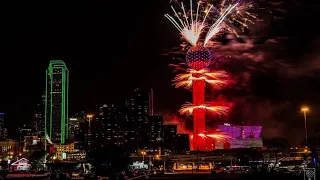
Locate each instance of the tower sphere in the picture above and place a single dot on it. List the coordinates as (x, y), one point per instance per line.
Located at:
(198, 57)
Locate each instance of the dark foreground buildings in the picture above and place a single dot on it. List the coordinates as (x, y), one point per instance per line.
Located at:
(133, 126)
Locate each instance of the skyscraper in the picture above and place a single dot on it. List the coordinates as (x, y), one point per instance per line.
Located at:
(2, 127)
(74, 126)
(112, 125)
(56, 101)
(138, 107)
(156, 131)
(169, 136)
(38, 119)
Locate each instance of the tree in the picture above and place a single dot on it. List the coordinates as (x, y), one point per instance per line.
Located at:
(37, 158)
(269, 157)
(277, 142)
(113, 159)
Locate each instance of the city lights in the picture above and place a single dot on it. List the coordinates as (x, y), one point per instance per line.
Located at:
(238, 69)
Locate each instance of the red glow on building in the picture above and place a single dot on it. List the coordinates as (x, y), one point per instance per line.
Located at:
(52, 149)
(199, 115)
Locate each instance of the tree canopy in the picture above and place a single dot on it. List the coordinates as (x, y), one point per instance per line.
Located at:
(111, 158)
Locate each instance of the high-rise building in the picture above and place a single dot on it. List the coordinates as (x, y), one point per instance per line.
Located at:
(3, 129)
(38, 119)
(169, 136)
(80, 134)
(26, 130)
(156, 131)
(74, 127)
(5, 133)
(138, 109)
(2, 126)
(112, 125)
(182, 142)
(56, 101)
(94, 132)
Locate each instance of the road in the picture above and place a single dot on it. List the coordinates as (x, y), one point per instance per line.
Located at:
(192, 177)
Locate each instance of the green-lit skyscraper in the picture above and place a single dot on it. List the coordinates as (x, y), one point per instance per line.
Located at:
(56, 102)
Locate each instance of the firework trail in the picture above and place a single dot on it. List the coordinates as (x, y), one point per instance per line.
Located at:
(217, 136)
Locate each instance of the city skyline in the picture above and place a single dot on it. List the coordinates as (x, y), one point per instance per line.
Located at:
(101, 75)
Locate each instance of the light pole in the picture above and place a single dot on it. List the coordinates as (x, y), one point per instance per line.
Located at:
(143, 154)
(305, 110)
(156, 157)
(89, 116)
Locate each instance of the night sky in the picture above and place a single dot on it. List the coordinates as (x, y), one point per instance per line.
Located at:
(111, 49)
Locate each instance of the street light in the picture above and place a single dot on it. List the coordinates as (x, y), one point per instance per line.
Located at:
(89, 116)
(143, 154)
(305, 110)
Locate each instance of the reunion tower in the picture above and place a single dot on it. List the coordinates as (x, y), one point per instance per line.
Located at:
(191, 25)
(198, 58)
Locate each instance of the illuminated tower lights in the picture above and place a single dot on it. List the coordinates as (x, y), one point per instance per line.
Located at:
(197, 58)
(56, 101)
(191, 24)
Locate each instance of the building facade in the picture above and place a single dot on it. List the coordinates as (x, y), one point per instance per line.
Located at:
(2, 127)
(137, 112)
(170, 135)
(240, 137)
(56, 102)
(156, 131)
(8, 149)
(74, 128)
(112, 125)
(63, 150)
(38, 119)
(182, 142)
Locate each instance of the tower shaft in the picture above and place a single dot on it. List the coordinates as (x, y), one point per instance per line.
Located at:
(199, 116)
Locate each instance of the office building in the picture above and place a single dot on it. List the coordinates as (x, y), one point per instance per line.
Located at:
(112, 125)
(2, 127)
(8, 149)
(169, 136)
(56, 102)
(156, 131)
(74, 128)
(38, 119)
(63, 150)
(25, 130)
(182, 143)
(138, 109)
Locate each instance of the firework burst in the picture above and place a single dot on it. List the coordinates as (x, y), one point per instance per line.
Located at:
(240, 18)
(192, 24)
(215, 79)
(212, 16)
(188, 108)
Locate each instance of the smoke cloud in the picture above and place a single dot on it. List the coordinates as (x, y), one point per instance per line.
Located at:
(170, 118)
